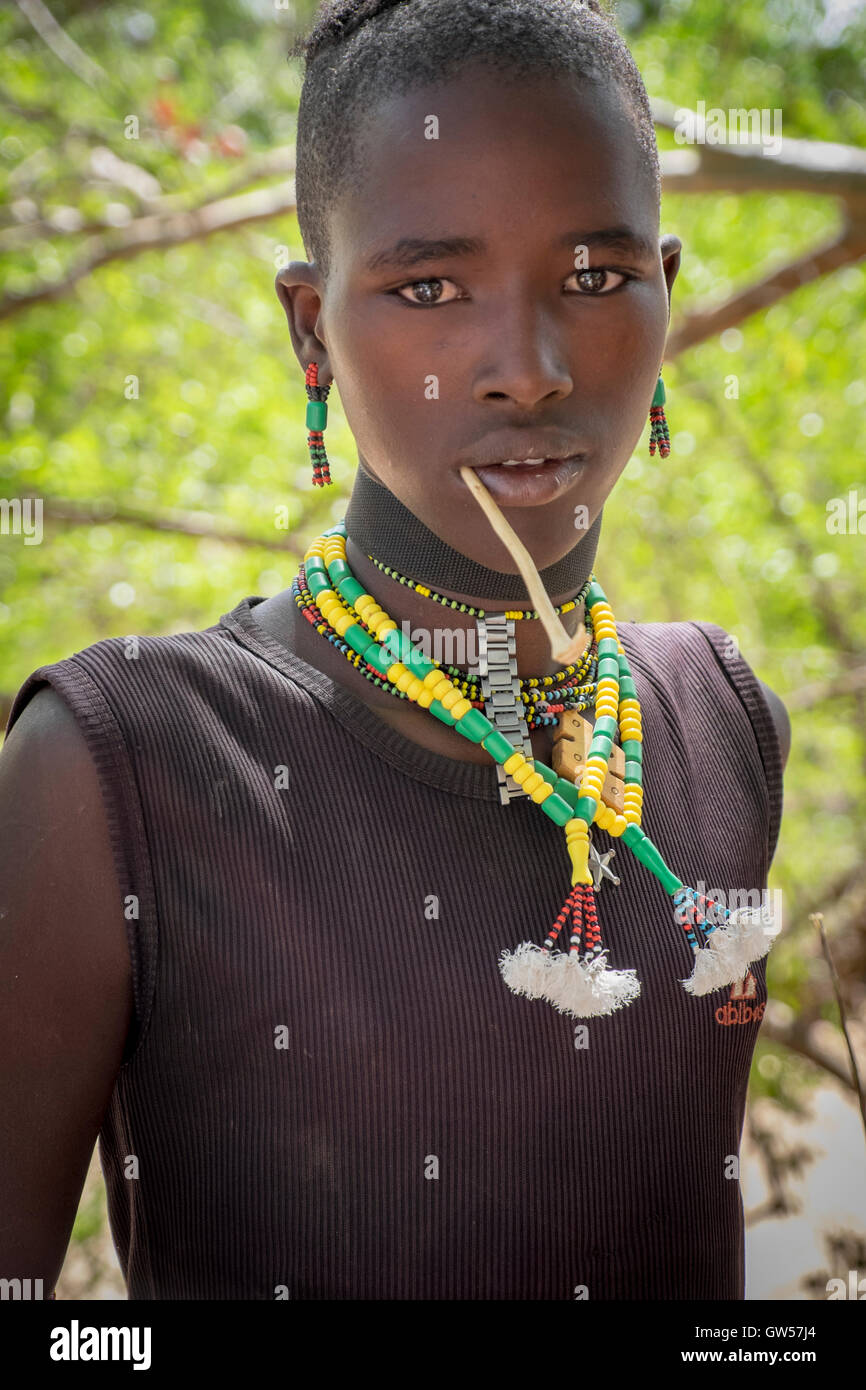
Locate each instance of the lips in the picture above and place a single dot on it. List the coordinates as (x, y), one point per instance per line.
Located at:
(514, 448)
(531, 483)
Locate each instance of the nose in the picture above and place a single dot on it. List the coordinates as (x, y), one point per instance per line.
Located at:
(524, 363)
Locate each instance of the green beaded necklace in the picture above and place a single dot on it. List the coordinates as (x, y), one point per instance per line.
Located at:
(579, 982)
(544, 697)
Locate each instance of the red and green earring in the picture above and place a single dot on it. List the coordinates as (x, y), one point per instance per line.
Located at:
(659, 436)
(317, 418)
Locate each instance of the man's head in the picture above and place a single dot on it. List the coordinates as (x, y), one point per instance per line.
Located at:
(518, 136)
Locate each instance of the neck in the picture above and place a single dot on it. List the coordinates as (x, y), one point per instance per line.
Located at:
(378, 524)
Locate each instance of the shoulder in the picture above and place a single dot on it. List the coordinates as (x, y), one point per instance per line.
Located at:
(125, 678)
(50, 771)
(677, 650)
(781, 718)
(85, 719)
(136, 696)
(727, 647)
(695, 675)
(45, 725)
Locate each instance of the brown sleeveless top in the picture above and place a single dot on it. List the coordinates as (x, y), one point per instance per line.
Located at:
(329, 1089)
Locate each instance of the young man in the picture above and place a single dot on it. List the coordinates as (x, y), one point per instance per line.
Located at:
(253, 911)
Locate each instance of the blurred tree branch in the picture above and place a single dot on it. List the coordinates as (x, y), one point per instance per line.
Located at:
(158, 232)
(805, 166)
(182, 524)
(697, 327)
(795, 1037)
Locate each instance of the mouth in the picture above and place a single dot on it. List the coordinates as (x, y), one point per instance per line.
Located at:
(530, 482)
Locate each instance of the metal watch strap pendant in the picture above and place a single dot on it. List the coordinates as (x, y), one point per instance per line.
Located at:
(497, 670)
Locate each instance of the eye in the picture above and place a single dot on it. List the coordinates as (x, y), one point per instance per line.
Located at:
(591, 282)
(430, 291)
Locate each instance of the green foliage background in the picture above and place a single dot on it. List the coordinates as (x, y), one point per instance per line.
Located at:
(732, 528)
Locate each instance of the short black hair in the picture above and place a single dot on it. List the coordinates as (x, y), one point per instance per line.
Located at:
(360, 51)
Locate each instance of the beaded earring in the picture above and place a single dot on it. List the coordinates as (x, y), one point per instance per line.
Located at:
(659, 435)
(317, 418)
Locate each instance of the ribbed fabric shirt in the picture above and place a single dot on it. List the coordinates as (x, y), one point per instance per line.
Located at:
(330, 1090)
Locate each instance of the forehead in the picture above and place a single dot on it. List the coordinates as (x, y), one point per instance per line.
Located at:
(494, 152)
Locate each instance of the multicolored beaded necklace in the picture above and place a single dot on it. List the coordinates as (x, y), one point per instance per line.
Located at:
(515, 613)
(577, 982)
(545, 697)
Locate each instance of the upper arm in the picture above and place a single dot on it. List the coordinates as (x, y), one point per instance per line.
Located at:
(65, 981)
(781, 719)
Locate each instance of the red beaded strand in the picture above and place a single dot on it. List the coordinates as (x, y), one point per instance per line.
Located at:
(659, 434)
(592, 928)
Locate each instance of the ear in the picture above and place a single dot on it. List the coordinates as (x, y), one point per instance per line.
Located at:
(300, 291)
(671, 250)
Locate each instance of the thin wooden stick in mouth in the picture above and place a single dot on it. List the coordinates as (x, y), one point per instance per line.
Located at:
(562, 647)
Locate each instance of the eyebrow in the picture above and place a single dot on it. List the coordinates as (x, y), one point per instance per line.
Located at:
(412, 251)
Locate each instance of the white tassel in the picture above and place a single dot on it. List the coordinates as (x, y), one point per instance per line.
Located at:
(745, 937)
(572, 987)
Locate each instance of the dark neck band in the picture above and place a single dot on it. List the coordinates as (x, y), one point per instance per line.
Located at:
(381, 526)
